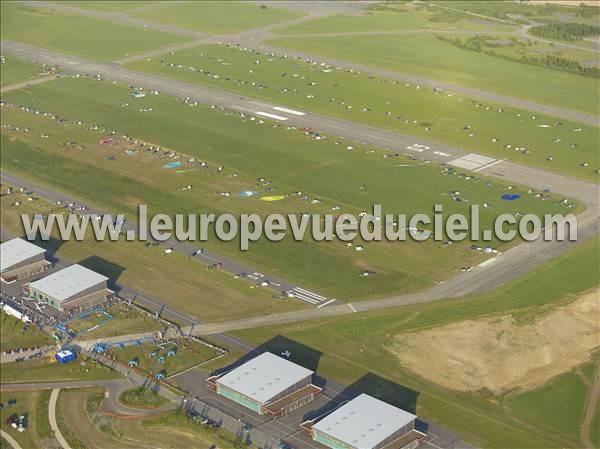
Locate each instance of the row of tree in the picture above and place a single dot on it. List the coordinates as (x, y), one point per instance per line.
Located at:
(567, 31)
(479, 44)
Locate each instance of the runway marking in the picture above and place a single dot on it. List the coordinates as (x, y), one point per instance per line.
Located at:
(418, 147)
(326, 303)
(490, 165)
(289, 111)
(352, 307)
(273, 116)
(485, 263)
(474, 162)
(310, 297)
(441, 153)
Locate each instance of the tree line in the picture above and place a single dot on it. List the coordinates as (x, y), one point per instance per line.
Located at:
(567, 31)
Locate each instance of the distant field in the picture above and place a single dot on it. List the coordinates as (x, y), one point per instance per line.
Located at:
(477, 416)
(382, 18)
(219, 17)
(78, 35)
(290, 160)
(108, 5)
(34, 404)
(511, 133)
(426, 56)
(16, 70)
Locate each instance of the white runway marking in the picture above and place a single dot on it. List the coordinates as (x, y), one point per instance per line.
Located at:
(289, 111)
(489, 165)
(273, 116)
(325, 303)
(352, 307)
(474, 162)
(310, 297)
(487, 262)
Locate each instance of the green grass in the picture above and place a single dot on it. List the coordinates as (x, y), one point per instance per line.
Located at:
(188, 354)
(403, 108)
(292, 160)
(15, 334)
(390, 19)
(112, 6)
(35, 405)
(143, 398)
(78, 35)
(354, 346)
(16, 70)
(218, 17)
(424, 55)
(557, 407)
(48, 370)
(213, 295)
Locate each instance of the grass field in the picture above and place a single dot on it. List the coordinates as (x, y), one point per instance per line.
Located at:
(213, 295)
(33, 404)
(188, 353)
(48, 370)
(292, 161)
(16, 70)
(425, 55)
(479, 417)
(108, 5)
(80, 413)
(143, 398)
(15, 334)
(485, 128)
(218, 17)
(557, 407)
(78, 35)
(391, 17)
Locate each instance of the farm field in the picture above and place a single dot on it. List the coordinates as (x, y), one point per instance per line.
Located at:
(213, 295)
(33, 404)
(80, 413)
(391, 17)
(479, 416)
(425, 55)
(78, 35)
(283, 156)
(16, 70)
(218, 17)
(488, 128)
(16, 335)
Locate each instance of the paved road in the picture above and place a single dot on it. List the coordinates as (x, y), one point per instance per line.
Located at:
(52, 419)
(591, 410)
(254, 37)
(11, 441)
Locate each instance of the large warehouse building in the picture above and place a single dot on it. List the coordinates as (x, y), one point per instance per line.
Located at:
(267, 384)
(20, 259)
(367, 423)
(71, 287)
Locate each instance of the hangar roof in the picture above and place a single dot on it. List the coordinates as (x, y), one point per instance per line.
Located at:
(264, 377)
(16, 251)
(68, 282)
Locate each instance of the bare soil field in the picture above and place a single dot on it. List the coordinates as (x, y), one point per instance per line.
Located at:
(499, 354)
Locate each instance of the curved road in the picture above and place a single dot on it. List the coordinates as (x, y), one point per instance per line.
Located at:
(11, 441)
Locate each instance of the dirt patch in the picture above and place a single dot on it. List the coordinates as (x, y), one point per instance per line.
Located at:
(500, 355)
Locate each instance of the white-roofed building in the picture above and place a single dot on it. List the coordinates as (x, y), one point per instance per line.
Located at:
(367, 423)
(20, 259)
(267, 384)
(71, 287)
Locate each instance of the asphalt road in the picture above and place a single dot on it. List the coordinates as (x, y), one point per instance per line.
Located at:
(254, 37)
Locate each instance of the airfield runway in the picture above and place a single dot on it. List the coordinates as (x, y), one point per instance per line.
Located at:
(253, 38)
(506, 267)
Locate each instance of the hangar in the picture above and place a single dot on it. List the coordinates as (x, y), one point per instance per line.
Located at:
(367, 423)
(71, 287)
(20, 259)
(267, 384)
